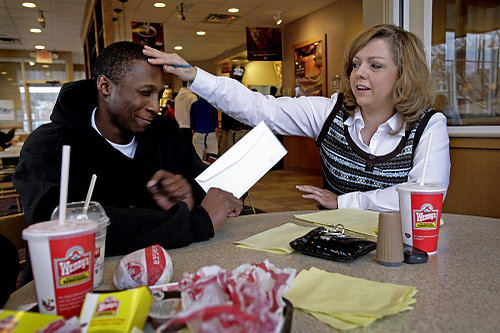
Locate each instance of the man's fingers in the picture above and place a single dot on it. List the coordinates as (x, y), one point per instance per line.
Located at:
(158, 177)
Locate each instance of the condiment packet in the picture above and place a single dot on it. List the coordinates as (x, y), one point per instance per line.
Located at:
(120, 311)
(21, 321)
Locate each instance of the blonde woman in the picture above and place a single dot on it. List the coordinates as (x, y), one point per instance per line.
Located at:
(370, 138)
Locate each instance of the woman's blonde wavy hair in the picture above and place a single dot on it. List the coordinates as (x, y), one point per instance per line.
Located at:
(413, 92)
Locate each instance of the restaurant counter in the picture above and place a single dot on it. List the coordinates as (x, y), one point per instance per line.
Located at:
(458, 288)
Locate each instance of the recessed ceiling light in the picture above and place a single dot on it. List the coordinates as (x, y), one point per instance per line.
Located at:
(9, 79)
(201, 33)
(32, 63)
(233, 10)
(28, 4)
(178, 47)
(35, 30)
(3, 73)
(39, 47)
(159, 4)
(45, 66)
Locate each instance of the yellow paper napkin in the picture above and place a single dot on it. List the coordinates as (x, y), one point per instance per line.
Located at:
(275, 240)
(357, 220)
(346, 302)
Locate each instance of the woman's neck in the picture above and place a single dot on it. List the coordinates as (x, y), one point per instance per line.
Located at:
(373, 119)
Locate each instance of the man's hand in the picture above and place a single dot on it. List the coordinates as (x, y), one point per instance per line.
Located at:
(323, 197)
(168, 189)
(220, 204)
(172, 63)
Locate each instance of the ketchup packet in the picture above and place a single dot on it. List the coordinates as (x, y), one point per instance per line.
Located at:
(146, 267)
(246, 299)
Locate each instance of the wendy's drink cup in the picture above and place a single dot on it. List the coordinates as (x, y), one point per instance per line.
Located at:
(62, 260)
(420, 207)
(94, 212)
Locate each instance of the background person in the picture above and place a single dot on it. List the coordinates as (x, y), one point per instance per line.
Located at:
(205, 124)
(370, 138)
(145, 168)
(183, 101)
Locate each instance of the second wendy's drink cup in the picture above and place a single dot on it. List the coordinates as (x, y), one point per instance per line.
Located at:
(94, 212)
(62, 260)
(421, 207)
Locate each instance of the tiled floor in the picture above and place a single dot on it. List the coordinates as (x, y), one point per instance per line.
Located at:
(276, 191)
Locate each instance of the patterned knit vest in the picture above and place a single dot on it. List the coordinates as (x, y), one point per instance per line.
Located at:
(347, 168)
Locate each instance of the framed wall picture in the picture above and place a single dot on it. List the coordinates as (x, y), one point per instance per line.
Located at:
(310, 67)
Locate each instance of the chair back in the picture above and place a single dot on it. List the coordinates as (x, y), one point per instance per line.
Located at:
(11, 226)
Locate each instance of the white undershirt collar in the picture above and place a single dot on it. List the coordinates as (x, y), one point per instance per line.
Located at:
(127, 149)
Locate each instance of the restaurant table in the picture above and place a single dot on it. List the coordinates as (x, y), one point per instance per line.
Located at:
(458, 288)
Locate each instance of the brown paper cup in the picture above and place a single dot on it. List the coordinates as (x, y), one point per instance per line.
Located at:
(389, 240)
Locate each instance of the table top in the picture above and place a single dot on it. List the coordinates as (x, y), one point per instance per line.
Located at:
(458, 288)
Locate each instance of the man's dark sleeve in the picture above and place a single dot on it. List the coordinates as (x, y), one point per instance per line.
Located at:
(138, 228)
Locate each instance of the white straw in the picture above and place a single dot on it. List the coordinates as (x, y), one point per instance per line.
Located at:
(89, 193)
(426, 159)
(63, 193)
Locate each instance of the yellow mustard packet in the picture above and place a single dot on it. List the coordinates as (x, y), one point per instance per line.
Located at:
(275, 240)
(23, 321)
(121, 311)
(350, 302)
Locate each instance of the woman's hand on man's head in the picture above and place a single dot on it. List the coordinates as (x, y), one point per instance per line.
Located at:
(172, 63)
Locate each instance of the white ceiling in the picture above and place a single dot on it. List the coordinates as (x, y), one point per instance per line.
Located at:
(64, 23)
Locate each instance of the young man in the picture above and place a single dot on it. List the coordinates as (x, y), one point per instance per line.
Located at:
(145, 168)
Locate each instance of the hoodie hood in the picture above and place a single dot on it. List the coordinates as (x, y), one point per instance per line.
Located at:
(75, 104)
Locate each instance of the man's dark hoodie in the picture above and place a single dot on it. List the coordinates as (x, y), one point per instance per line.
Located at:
(136, 220)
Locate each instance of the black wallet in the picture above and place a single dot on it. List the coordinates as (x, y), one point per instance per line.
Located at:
(332, 244)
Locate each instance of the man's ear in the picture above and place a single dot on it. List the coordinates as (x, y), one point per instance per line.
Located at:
(104, 85)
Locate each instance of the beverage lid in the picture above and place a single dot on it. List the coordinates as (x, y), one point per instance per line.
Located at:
(416, 187)
(74, 210)
(53, 230)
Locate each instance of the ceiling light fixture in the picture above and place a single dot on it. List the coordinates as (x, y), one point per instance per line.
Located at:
(159, 4)
(201, 33)
(233, 10)
(45, 66)
(178, 47)
(277, 18)
(35, 30)
(39, 47)
(3, 73)
(28, 4)
(32, 63)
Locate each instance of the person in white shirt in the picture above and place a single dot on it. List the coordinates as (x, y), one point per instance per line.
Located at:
(371, 137)
(183, 102)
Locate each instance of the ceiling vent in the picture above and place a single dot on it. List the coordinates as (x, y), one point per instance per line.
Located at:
(221, 18)
(9, 40)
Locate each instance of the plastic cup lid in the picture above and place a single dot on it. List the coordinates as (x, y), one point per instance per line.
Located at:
(417, 187)
(53, 230)
(74, 210)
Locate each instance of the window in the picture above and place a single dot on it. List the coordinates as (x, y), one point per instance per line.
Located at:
(465, 60)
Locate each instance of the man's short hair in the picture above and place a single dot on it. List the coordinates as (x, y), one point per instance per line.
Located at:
(273, 90)
(116, 60)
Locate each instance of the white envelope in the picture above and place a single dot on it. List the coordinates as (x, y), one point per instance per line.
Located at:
(244, 163)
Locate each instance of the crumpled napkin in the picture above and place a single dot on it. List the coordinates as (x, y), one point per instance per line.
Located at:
(275, 240)
(346, 302)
